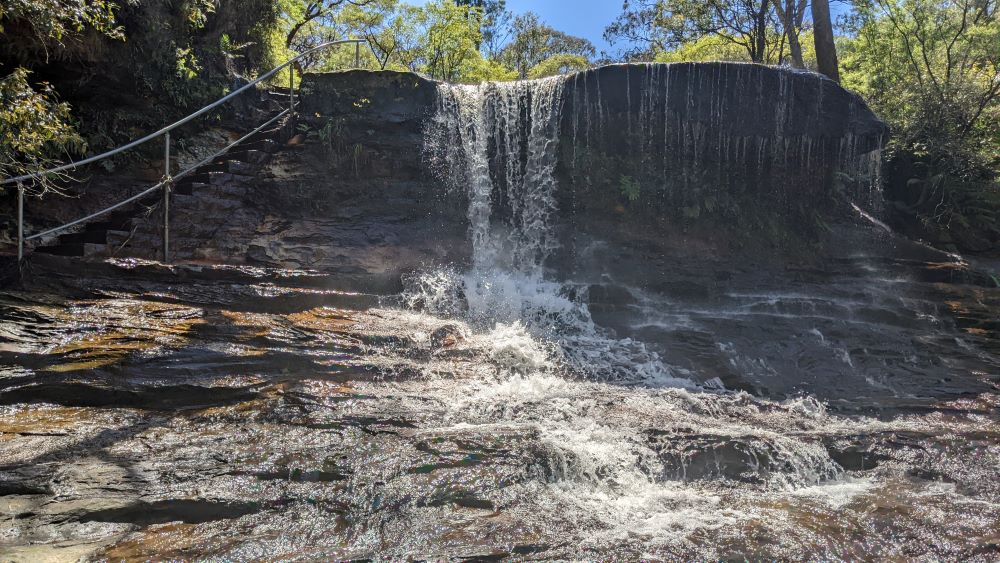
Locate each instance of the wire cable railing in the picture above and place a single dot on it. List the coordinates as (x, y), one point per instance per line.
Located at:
(167, 180)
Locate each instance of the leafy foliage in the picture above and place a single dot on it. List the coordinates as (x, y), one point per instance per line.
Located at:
(453, 35)
(35, 129)
(52, 21)
(932, 69)
(655, 26)
(630, 188)
(562, 63)
(459, 41)
(535, 42)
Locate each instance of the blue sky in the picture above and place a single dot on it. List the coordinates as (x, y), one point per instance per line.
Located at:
(582, 18)
(588, 18)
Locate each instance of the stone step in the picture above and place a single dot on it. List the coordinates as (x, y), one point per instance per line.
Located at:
(268, 146)
(250, 156)
(84, 237)
(226, 177)
(78, 249)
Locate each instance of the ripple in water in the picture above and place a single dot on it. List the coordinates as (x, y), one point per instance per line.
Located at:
(622, 437)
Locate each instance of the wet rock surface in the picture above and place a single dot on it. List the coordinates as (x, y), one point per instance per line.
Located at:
(640, 388)
(150, 424)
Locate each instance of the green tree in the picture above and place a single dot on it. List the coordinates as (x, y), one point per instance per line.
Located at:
(481, 69)
(51, 22)
(654, 26)
(563, 63)
(495, 26)
(535, 42)
(931, 68)
(302, 14)
(452, 35)
(792, 15)
(390, 27)
(36, 130)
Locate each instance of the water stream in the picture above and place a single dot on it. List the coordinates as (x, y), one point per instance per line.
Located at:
(502, 410)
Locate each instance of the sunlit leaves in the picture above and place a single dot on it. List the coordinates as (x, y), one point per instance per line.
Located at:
(559, 64)
(54, 19)
(35, 129)
(932, 67)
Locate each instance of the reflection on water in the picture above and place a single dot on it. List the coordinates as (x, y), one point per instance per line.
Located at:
(139, 428)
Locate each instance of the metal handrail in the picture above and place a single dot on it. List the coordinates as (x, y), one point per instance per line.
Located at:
(152, 189)
(168, 180)
(183, 121)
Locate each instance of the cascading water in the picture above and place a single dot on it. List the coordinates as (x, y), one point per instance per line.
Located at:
(587, 393)
(237, 412)
(626, 449)
(506, 284)
(519, 121)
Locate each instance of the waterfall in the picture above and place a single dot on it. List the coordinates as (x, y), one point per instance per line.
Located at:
(695, 133)
(517, 122)
(692, 139)
(498, 144)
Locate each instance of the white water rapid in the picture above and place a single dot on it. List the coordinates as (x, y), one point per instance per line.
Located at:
(625, 437)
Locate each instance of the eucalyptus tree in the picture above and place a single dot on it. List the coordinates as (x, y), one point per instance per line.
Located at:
(792, 15)
(301, 13)
(931, 66)
(452, 34)
(495, 26)
(826, 49)
(649, 27)
(534, 42)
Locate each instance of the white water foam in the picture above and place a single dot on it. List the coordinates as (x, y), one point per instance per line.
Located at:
(626, 438)
(506, 291)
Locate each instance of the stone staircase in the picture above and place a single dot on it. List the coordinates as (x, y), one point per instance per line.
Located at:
(136, 229)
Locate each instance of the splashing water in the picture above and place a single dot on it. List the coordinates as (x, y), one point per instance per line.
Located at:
(537, 331)
(506, 288)
(626, 448)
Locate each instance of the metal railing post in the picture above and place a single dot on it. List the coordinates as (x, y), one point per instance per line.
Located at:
(20, 222)
(167, 183)
(166, 199)
(291, 89)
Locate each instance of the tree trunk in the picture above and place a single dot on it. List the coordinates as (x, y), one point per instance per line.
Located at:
(760, 45)
(789, 16)
(826, 50)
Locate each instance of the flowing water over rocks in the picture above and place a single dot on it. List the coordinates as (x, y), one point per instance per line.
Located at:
(521, 406)
(143, 425)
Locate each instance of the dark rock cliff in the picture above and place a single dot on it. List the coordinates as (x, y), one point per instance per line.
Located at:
(669, 158)
(697, 140)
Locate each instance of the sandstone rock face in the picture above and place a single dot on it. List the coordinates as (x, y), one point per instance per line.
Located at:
(672, 151)
(356, 198)
(696, 140)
